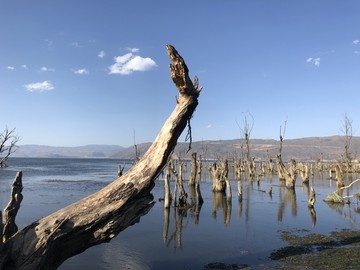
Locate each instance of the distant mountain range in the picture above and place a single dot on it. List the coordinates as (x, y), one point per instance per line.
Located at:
(331, 148)
(87, 151)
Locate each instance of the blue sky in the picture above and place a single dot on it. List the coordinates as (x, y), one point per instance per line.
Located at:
(96, 72)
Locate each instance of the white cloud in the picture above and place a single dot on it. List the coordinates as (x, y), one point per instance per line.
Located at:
(209, 126)
(39, 86)
(356, 42)
(44, 69)
(128, 63)
(24, 66)
(133, 50)
(101, 54)
(10, 67)
(314, 61)
(82, 71)
(317, 62)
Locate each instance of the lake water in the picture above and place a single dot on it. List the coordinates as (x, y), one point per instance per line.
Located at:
(233, 233)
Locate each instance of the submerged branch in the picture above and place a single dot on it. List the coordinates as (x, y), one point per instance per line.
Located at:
(336, 198)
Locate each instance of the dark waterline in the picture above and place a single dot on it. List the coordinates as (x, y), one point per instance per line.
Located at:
(233, 233)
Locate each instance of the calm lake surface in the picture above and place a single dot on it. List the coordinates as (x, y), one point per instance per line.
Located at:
(233, 233)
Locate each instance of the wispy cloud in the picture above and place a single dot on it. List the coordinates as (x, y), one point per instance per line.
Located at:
(314, 61)
(48, 42)
(82, 71)
(101, 54)
(45, 69)
(39, 86)
(209, 126)
(356, 42)
(76, 44)
(133, 50)
(129, 63)
(13, 68)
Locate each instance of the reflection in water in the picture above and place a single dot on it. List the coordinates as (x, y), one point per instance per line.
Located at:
(196, 202)
(192, 195)
(121, 257)
(306, 186)
(178, 218)
(346, 211)
(176, 235)
(312, 216)
(220, 202)
(130, 214)
(166, 224)
(240, 197)
(290, 197)
(248, 199)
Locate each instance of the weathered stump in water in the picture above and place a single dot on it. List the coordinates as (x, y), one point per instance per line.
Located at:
(271, 166)
(216, 173)
(312, 198)
(121, 170)
(10, 211)
(240, 190)
(198, 193)
(290, 178)
(193, 172)
(179, 186)
(339, 176)
(167, 197)
(252, 168)
(228, 190)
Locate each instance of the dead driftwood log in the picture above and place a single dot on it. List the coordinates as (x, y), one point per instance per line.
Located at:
(337, 195)
(49, 241)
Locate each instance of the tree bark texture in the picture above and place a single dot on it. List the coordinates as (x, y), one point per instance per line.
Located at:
(339, 176)
(217, 173)
(312, 198)
(167, 197)
(193, 172)
(179, 186)
(289, 178)
(10, 211)
(49, 241)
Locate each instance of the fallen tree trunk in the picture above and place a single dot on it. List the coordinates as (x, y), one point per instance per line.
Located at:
(49, 241)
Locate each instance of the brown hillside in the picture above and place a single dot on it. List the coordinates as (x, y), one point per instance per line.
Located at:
(310, 148)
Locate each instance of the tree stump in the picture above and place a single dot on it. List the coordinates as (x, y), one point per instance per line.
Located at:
(12, 208)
